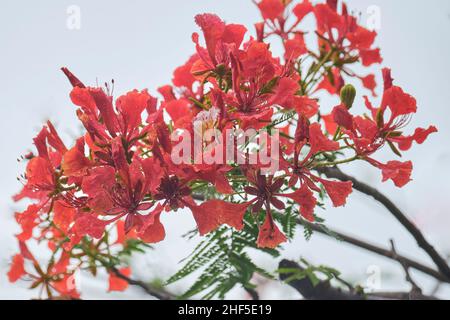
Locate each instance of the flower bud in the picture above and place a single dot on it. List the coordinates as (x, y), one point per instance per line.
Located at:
(348, 94)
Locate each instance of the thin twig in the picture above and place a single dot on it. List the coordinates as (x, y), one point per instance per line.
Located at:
(157, 293)
(325, 291)
(440, 262)
(415, 289)
(439, 283)
(376, 249)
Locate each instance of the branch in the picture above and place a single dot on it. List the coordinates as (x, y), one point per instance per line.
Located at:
(157, 293)
(253, 293)
(322, 291)
(415, 289)
(378, 250)
(440, 262)
(325, 291)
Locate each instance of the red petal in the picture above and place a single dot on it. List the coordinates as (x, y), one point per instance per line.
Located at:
(362, 38)
(167, 93)
(104, 105)
(330, 124)
(82, 97)
(307, 107)
(17, 269)
(182, 76)
(284, 92)
(319, 142)
(63, 215)
(179, 111)
(419, 136)
(153, 173)
(399, 102)
(222, 184)
(216, 175)
(213, 28)
(342, 117)
(370, 83)
(369, 57)
(40, 173)
(327, 18)
(387, 78)
(212, 214)
(295, 47)
(74, 162)
(116, 283)
(269, 235)
(234, 33)
(152, 230)
(398, 172)
(74, 81)
(27, 220)
(120, 160)
(305, 198)
(366, 127)
(338, 191)
(62, 264)
(88, 224)
(302, 9)
(121, 236)
(97, 185)
(67, 286)
(336, 86)
(54, 139)
(131, 107)
(271, 9)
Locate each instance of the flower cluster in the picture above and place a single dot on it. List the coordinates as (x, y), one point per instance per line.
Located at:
(106, 192)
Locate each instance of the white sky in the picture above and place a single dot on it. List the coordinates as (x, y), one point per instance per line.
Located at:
(139, 43)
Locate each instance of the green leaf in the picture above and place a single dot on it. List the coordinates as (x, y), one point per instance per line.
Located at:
(394, 148)
(223, 262)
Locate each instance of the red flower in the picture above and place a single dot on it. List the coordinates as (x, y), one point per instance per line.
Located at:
(53, 279)
(398, 172)
(221, 39)
(40, 173)
(337, 27)
(120, 175)
(103, 122)
(370, 134)
(300, 170)
(259, 83)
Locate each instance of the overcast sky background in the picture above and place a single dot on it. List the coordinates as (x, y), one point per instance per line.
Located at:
(139, 43)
